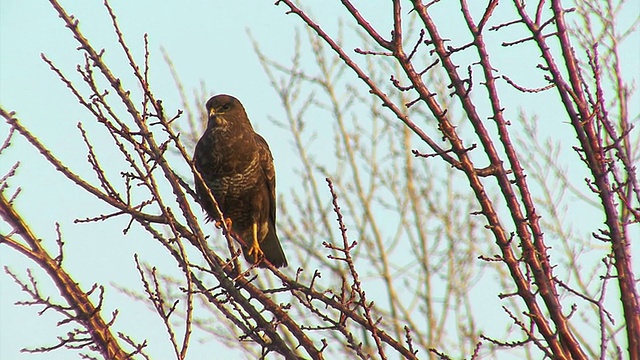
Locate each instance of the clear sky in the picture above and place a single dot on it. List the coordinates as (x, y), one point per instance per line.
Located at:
(208, 42)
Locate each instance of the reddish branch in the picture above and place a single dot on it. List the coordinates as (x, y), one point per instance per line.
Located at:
(534, 250)
(386, 101)
(585, 124)
(86, 313)
(357, 285)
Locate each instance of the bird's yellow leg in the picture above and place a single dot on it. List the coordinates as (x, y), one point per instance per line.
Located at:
(253, 249)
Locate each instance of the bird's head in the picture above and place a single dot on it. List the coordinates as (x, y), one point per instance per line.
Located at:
(225, 111)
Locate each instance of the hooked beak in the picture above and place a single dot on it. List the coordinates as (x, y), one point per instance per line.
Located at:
(215, 118)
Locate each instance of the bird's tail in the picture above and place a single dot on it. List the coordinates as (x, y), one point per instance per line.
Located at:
(272, 249)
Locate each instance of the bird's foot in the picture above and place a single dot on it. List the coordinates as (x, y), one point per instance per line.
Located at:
(253, 250)
(227, 222)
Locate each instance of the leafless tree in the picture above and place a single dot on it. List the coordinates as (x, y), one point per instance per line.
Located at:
(437, 187)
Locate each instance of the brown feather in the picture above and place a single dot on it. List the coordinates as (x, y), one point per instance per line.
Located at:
(237, 166)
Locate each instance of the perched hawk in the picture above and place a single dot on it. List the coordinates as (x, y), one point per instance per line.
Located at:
(236, 164)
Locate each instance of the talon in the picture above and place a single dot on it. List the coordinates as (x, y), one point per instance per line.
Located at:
(227, 221)
(253, 249)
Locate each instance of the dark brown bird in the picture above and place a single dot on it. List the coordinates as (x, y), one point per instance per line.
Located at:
(237, 166)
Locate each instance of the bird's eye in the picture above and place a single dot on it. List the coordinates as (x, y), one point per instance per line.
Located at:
(225, 107)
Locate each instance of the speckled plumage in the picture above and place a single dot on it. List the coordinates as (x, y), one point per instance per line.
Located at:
(236, 164)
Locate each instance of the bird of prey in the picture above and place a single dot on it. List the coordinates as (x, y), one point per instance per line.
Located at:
(237, 166)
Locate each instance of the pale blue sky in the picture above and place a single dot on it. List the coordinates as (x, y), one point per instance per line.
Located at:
(208, 42)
